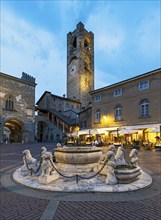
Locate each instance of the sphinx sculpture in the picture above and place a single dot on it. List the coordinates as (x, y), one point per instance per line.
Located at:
(48, 173)
(111, 178)
(46, 166)
(119, 157)
(134, 157)
(29, 163)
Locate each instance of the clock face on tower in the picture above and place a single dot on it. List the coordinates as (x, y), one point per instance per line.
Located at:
(72, 69)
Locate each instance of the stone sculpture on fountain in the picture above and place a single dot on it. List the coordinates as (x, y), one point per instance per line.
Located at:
(112, 148)
(29, 163)
(134, 157)
(58, 145)
(111, 178)
(103, 160)
(43, 150)
(48, 173)
(119, 157)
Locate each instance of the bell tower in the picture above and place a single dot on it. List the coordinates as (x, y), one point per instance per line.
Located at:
(80, 65)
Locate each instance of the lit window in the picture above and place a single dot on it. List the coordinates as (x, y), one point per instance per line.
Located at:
(144, 108)
(144, 85)
(9, 104)
(98, 116)
(97, 98)
(117, 92)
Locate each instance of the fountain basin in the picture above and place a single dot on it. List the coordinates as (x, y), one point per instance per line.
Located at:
(77, 159)
(124, 173)
(127, 174)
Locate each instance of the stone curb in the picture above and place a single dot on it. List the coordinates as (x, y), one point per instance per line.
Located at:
(50, 210)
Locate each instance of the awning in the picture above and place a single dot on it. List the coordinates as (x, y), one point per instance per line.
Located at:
(143, 126)
(125, 131)
(121, 130)
(155, 130)
(98, 131)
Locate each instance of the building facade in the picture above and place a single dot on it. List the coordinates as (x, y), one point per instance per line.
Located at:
(80, 65)
(133, 103)
(56, 117)
(17, 108)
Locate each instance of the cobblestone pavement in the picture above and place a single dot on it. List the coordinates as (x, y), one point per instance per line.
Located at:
(18, 207)
(18, 202)
(149, 209)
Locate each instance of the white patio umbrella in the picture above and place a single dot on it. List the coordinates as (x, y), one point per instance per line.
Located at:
(74, 134)
(155, 130)
(84, 132)
(98, 131)
(125, 131)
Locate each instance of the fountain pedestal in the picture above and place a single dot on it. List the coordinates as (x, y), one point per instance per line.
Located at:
(48, 178)
(77, 159)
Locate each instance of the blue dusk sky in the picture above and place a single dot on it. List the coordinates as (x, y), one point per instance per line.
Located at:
(34, 39)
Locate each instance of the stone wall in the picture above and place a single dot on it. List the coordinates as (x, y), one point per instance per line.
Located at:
(17, 108)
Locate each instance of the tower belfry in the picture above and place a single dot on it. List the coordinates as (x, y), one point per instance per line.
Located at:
(80, 64)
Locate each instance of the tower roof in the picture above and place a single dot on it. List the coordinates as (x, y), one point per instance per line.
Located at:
(80, 25)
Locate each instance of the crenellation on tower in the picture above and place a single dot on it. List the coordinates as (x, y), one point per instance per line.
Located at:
(27, 77)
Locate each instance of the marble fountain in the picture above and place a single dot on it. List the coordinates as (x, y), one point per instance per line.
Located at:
(82, 169)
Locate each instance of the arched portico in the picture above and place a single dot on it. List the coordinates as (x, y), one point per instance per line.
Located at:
(13, 131)
(42, 131)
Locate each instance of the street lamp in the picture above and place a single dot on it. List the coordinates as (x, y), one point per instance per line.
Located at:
(104, 117)
(118, 131)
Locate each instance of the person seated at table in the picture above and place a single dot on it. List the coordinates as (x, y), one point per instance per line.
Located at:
(157, 141)
(88, 141)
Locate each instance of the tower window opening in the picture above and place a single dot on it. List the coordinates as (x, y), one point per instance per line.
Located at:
(74, 43)
(86, 45)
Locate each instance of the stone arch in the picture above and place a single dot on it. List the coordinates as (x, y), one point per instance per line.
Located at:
(74, 42)
(13, 131)
(86, 43)
(42, 131)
